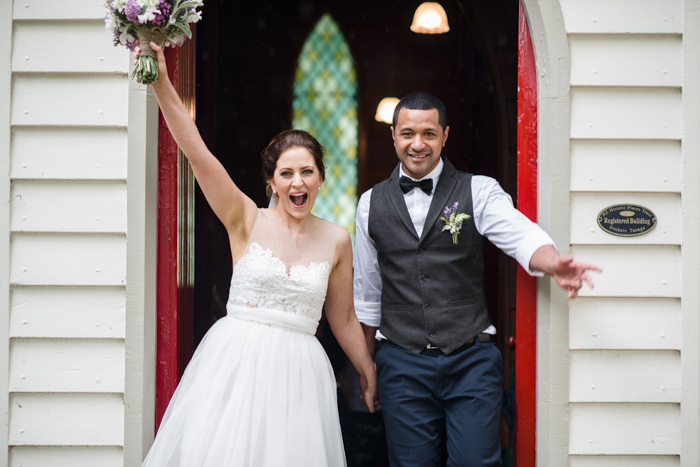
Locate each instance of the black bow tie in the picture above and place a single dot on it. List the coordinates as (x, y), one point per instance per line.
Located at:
(407, 184)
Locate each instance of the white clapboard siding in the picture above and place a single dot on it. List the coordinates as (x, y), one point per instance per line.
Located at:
(68, 312)
(51, 9)
(68, 259)
(66, 419)
(624, 429)
(67, 365)
(623, 16)
(69, 99)
(626, 113)
(626, 60)
(626, 165)
(73, 206)
(40, 46)
(74, 153)
(585, 208)
(624, 376)
(68, 456)
(624, 461)
(625, 323)
(632, 271)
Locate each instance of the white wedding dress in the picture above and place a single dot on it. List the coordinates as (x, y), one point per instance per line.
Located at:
(259, 390)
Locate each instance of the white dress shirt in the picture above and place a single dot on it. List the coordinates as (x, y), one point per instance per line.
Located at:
(494, 217)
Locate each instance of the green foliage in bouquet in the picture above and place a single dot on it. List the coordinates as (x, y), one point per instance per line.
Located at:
(165, 22)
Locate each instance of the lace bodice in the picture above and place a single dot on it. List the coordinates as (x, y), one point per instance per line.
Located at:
(261, 280)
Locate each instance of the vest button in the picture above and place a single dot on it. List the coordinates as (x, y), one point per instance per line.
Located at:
(421, 250)
(427, 306)
(424, 277)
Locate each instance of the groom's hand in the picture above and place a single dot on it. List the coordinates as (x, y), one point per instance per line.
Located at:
(568, 273)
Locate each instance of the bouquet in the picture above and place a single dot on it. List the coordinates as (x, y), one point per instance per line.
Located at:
(165, 22)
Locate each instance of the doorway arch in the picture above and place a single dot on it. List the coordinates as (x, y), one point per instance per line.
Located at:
(373, 171)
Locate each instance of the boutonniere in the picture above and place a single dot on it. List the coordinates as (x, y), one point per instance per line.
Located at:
(453, 220)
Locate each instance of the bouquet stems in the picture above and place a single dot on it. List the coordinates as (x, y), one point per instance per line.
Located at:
(146, 69)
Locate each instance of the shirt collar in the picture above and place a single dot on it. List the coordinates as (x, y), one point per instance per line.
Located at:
(434, 174)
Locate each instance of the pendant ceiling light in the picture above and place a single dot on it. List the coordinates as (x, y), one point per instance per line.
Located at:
(430, 18)
(385, 110)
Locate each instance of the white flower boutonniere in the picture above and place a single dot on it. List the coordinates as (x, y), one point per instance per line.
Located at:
(453, 220)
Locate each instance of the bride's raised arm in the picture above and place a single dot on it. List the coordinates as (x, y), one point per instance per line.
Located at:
(230, 204)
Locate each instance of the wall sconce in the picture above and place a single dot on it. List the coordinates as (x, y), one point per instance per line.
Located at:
(385, 110)
(430, 18)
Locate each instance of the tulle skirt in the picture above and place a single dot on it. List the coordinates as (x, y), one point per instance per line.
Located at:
(253, 395)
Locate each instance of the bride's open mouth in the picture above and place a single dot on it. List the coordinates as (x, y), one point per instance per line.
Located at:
(299, 199)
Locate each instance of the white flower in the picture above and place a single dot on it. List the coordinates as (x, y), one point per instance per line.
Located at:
(124, 36)
(193, 16)
(111, 23)
(148, 15)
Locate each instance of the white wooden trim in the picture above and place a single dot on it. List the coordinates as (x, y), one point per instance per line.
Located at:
(68, 312)
(67, 456)
(51, 9)
(74, 206)
(41, 46)
(65, 419)
(611, 17)
(626, 60)
(5, 205)
(78, 153)
(142, 196)
(67, 365)
(690, 261)
(553, 110)
(624, 376)
(629, 429)
(624, 461)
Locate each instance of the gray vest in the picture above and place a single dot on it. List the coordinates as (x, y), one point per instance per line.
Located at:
(432, 289)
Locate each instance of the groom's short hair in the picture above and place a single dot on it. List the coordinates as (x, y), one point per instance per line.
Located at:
(422, 101)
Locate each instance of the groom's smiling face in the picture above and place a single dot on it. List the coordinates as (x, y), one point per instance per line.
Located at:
(418, 140)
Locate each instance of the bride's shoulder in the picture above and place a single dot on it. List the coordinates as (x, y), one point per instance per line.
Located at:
(329, 230)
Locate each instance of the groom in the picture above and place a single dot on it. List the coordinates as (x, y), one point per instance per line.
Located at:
(418, 293)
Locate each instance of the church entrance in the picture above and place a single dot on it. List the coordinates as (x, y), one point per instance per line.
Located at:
(248, 59)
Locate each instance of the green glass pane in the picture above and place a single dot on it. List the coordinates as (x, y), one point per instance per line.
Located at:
(325, 105)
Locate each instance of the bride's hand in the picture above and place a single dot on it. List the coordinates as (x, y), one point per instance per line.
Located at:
(162, 66)
(368, 393)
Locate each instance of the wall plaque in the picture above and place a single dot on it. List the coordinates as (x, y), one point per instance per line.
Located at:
(626, 220)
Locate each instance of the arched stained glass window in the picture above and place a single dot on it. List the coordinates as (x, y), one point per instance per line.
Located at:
(325, 105)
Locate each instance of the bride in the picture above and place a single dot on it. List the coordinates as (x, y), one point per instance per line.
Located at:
(259, 390)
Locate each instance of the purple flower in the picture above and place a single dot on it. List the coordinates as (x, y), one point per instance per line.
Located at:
(161, 16)
(449, 211)
(132, 10)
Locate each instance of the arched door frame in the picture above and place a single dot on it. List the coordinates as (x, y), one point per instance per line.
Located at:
(543, 395)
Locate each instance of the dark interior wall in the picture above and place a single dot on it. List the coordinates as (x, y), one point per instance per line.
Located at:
(246, 59)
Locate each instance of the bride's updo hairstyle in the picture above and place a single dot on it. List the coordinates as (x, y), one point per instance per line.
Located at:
(289, 139)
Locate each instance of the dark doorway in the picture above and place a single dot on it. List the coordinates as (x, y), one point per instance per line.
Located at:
(246, 59)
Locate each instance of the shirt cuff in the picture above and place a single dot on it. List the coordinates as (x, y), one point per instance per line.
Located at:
(368, 313)
(529, 245)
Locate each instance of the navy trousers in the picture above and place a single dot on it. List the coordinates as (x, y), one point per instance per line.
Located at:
(427, 396)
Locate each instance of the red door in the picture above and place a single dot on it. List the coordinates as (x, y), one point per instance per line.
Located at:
(526, 294)
(174, 321)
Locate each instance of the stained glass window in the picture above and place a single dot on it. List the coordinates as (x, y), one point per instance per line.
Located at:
(325, 105)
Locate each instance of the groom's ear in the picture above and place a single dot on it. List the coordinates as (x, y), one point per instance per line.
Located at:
(444, 138)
